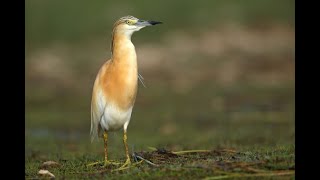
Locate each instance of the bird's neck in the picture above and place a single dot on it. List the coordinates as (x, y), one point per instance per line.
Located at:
(121, 46)
(123, 53)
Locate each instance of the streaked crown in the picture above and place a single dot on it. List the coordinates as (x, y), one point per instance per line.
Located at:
(127, 19)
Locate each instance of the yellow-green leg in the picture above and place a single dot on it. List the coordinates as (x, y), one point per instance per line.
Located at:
(128, 162)
(106, 161)
(105, 142)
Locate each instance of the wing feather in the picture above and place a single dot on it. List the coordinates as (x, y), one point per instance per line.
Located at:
(98, 105)
(96, 115)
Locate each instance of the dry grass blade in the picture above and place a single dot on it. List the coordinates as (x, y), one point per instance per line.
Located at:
(234, 175)
(191, 151)
(152, 148)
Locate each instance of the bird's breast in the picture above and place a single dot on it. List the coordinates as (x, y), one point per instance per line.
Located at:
(120, 85)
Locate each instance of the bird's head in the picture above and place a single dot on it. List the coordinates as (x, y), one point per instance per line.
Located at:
(130, 24)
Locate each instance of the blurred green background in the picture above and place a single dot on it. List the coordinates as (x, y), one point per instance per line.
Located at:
(218, 73)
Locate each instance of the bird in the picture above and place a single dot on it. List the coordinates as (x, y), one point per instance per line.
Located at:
(116, 85)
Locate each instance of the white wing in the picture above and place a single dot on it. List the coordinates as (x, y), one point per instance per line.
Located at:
(97, 110)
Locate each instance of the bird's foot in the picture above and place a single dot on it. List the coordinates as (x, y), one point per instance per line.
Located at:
(108, 163)
(105, 163)
(126, 165)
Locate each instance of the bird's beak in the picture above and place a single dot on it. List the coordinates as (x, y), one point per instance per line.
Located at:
(147, 23)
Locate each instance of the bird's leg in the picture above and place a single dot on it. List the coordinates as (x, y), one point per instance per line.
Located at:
(105, 141)
(128, 162)
(106, 161)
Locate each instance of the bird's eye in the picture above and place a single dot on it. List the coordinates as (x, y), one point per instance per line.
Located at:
(128, 22)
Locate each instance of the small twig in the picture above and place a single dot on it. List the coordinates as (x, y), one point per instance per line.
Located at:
(135, 156)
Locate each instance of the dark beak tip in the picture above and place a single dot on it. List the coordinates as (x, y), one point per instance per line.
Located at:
(155, 22)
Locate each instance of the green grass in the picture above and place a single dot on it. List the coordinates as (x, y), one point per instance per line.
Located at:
(258, 162)
(258, 127)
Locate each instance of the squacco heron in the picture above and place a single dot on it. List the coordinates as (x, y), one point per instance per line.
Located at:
(116, 84)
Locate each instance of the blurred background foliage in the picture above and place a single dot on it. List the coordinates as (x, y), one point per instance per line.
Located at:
(217, 72)
(78, 21)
